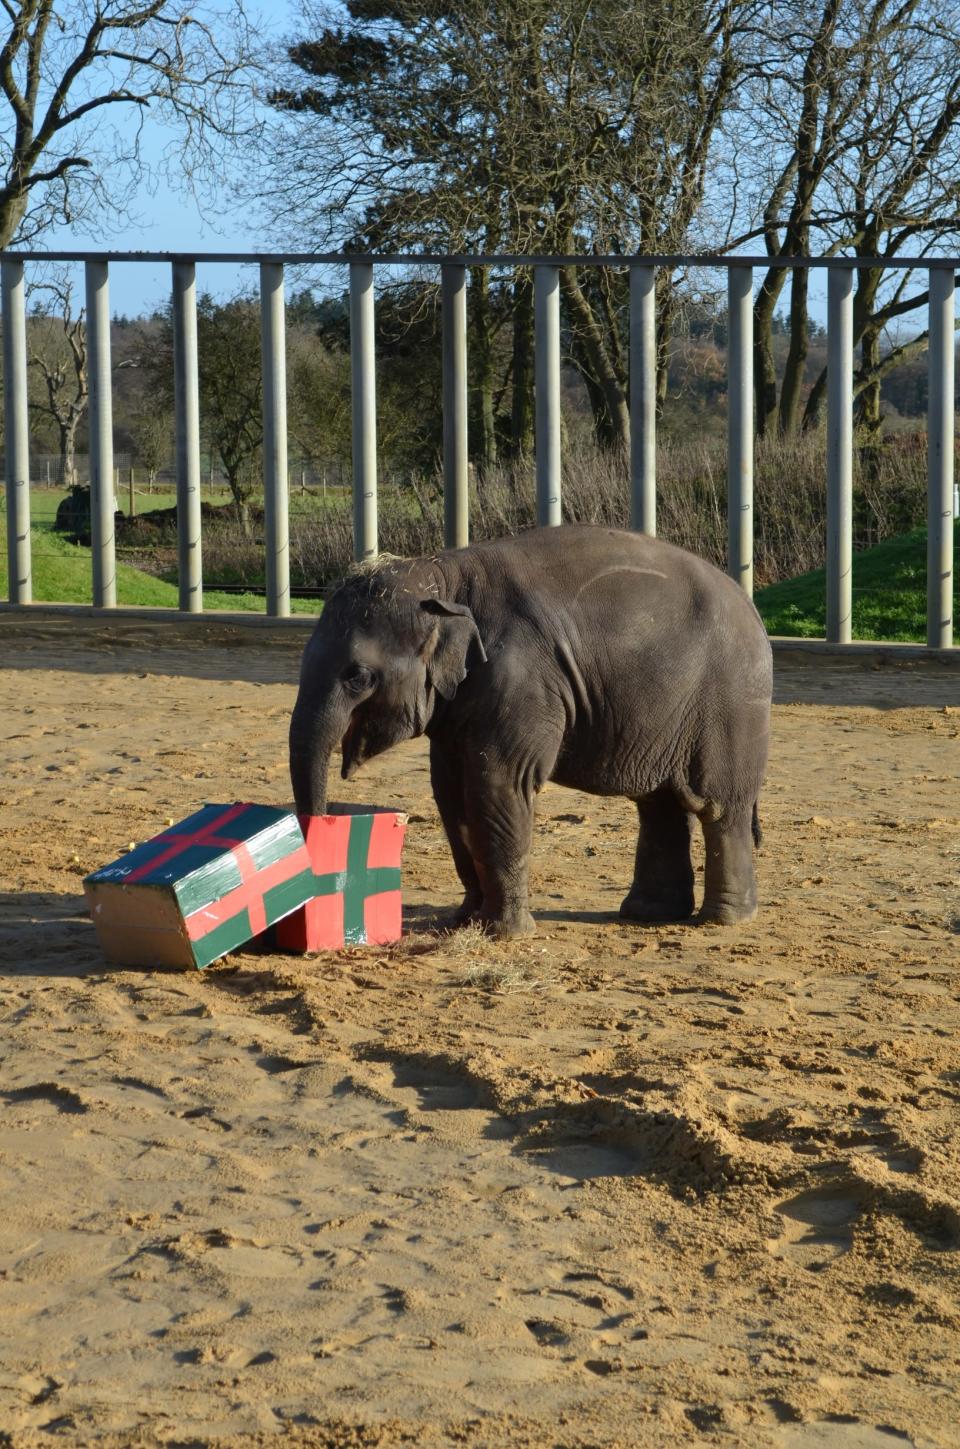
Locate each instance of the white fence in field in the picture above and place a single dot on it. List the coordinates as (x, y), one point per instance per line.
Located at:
(453, 271)
(47, 470)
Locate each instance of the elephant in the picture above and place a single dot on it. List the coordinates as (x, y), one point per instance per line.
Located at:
(608, 661)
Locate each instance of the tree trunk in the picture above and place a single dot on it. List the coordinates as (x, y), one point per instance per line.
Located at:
(603, 430)
(813, 412)
(522, 414)
(764, 368)
(481, 353)
(68, 452)
(792, 384)
(666, 310)
(867, 415)
(868, 331)
(607, 390)
(238, 493)
(12, 211)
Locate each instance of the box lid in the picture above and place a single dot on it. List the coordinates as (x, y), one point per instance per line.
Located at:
(198, 857)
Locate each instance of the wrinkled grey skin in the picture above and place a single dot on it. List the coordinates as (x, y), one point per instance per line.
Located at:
(603, 660)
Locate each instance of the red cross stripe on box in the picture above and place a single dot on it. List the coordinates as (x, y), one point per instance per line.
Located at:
(248, 895)
(206, 835)
(254, 881)
(356, 882)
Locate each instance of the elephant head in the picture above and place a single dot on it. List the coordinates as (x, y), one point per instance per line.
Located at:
(385, 647)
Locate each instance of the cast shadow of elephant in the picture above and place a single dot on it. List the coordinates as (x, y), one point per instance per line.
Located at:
(427, 918)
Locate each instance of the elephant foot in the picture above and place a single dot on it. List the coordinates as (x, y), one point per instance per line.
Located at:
(466, 913)
(657, 909)
(730, 884)
(726, 913)
(507, 927)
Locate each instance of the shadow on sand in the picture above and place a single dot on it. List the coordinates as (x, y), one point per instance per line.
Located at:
(47, 935)
(208, 649)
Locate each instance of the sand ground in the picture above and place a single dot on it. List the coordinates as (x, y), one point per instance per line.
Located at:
(613, 1185)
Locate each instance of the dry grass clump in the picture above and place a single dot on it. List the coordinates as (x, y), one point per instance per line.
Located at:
(789, 508)
(470, 943)
(495, 966)
(508, 976)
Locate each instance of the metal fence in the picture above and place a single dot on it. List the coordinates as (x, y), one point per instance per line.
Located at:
(453, 269)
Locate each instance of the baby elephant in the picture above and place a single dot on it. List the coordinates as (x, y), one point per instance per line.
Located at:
(603, 660)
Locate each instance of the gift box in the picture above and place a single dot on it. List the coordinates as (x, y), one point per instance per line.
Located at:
(355, 859)
(201, 888)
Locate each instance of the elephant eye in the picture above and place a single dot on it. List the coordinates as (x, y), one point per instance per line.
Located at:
(357, 678)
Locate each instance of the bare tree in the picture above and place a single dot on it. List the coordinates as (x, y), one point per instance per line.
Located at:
(854, 110)
(801, 98)
(897, 188)
(319, 398)
(57, 350)
(152, 433)
(230, 386)
(522, 126)
(231, 391)
(79, 78)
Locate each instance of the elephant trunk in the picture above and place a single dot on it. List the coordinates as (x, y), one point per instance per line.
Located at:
(314, 735)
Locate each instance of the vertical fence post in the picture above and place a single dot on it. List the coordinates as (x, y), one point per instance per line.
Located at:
(839, 453)
(16, 433)
(546, 326)
(186, 405)
(740, 427)
(364, 388)
(103, 544)
(940, 429)
(275, 482)
(456, 499)
(643, 399)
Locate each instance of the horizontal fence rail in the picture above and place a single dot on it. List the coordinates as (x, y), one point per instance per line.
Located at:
(487, 259)
(642, 344)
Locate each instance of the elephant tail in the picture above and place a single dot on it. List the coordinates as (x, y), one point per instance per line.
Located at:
(755, 826)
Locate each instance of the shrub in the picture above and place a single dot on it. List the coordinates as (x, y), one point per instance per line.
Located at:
(789, 508)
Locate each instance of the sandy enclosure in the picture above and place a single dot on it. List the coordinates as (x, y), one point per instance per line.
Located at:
(613, 1185)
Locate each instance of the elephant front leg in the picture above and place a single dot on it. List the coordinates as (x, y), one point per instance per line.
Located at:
(662, 887)
(730, 882)
(446, 777)
(499, 830)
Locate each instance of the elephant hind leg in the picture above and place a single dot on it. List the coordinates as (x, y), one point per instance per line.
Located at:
(662, 887)
(730, 882)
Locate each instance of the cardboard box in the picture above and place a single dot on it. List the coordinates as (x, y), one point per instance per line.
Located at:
(355, 858)
(201, 888)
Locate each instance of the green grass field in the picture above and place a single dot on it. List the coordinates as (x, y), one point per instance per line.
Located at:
(44, 502)
(889, 594)
(62, 570)
(62, 575)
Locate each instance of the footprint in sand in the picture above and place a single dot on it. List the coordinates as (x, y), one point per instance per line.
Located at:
(65, 1099)
(548, 1333)
(836, 1434)
(232, 1254)
(251, 1260)
(139, 1085)
(818, 1225)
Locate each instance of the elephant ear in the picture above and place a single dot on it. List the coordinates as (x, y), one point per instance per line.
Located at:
(453, 648)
